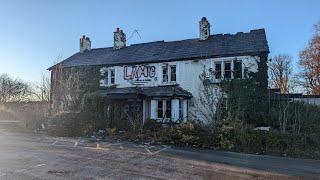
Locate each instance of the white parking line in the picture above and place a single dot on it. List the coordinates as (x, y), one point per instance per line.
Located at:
(54, 143)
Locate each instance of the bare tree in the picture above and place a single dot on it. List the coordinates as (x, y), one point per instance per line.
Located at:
(208, 107)
(41, 90)
(310, 63)
(12, 90)
(280, 69)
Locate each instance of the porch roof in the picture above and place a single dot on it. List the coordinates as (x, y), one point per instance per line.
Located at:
(144, 92)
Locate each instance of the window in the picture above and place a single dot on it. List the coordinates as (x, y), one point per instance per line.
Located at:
(227, 70)
(237, 69)
(180, 109)
(218, 70)
(112, 76)
(165, 74)
(168, 109)
(107, 77)
(173, 73)
(160, 109)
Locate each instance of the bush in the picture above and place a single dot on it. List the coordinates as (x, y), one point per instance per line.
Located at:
(73, 124)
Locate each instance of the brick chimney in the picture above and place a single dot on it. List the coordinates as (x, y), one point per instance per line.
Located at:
(204, 27)
(119, 39)
(85, 43)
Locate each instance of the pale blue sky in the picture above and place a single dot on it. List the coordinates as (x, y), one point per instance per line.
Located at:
(34, 33)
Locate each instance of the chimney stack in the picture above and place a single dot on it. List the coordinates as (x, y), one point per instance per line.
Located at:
(119, 39)
(85, 43)
(204, 28)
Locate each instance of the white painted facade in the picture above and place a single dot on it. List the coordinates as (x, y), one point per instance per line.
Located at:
(187, 77)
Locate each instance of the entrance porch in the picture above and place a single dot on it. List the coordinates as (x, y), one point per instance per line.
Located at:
(165, 104)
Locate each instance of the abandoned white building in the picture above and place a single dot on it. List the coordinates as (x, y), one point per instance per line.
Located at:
(164, 75)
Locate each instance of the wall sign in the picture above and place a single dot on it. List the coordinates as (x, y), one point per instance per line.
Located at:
(139, 72)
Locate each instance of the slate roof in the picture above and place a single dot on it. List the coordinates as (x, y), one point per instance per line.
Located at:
(218, 45)
(138, 92)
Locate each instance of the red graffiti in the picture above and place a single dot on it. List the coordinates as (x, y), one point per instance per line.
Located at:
(138, 71)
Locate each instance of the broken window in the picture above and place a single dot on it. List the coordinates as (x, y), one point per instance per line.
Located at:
(112, 76)
(218, 70)
(168, 109)
(237, 69)
(165, 74)
(173, 73)
(160, 109)
(227, 70)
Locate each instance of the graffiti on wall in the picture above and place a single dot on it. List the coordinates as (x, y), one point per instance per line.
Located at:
(139, 72)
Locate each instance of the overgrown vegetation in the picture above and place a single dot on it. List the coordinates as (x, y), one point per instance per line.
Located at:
(225, 116)
(229, 125)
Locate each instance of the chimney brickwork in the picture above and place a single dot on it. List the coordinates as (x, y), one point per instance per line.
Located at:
(119, 39)
(85, 43)
(204, 27)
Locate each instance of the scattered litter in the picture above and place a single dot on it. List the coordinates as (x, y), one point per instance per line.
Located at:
(40, 165)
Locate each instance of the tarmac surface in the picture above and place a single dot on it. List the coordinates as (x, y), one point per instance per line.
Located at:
(28, 156)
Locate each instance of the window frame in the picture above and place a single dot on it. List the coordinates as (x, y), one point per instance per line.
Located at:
(173, 74)
(229, 71)
(168, 109)
(237, 72)
(161, 108)
(165, 79)
(112, 76)
(216, 72)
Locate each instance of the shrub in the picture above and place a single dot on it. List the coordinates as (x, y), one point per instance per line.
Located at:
(73, 124)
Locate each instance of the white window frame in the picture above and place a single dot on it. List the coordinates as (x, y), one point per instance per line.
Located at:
(108, 76)
(168, 66)
(223, 62)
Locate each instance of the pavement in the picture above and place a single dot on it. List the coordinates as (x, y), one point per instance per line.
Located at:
(28, 156)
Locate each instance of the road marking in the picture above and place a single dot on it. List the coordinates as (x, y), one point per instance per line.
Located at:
(75, 144)
(157, 152)
(54, 143)
(148, 151)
